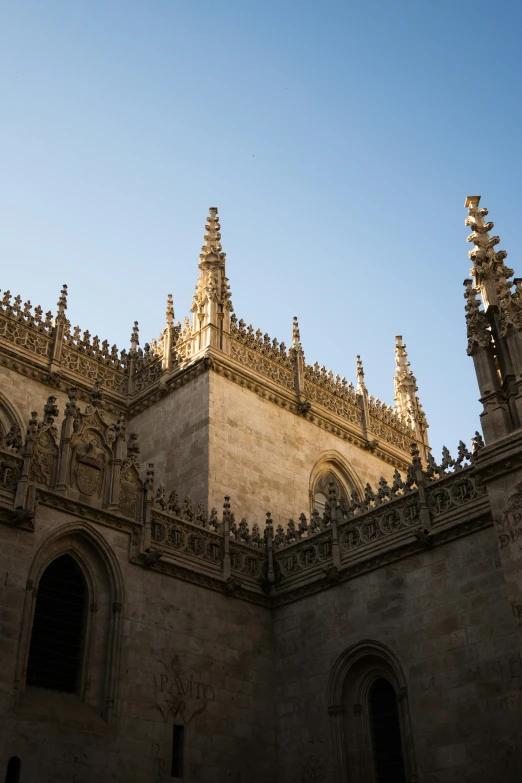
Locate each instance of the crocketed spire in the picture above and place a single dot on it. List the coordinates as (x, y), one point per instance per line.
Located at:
(212, 302)
(407, 403)
(488, 268)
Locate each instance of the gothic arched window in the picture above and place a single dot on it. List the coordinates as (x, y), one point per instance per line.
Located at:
(386, 733)
(321, 490)
(57, 639)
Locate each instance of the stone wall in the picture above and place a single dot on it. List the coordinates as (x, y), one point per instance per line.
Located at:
(263, 455)
(27, 395)
(445, 615)
(173, 434)
(189, 656)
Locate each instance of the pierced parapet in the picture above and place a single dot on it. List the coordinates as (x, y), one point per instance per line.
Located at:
(91, 346)
(448, 464)
(258, 341)
(24, 312)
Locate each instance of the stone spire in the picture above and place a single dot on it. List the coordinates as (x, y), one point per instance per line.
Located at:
(212, 303)
(407, 404)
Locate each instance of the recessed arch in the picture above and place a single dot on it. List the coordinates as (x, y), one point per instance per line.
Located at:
(353, 676)
(103, 624)
(10, 419)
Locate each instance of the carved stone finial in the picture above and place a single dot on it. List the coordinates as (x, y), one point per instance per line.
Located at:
(96, 394)
(361, 386)
(62, 301)
(70, 406)
(170, 310)
(296, 336)
(135, 336)
(50, 410)
(212, 249)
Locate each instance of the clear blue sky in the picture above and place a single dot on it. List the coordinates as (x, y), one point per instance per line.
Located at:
(337, 139)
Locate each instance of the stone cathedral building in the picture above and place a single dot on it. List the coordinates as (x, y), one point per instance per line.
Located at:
(221, 563)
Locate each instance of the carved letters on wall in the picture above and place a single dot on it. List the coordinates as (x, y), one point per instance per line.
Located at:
(181, 693)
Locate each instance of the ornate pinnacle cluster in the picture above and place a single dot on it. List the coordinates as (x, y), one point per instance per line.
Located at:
(212, 250)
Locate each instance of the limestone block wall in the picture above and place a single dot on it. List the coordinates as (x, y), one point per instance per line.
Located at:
(27, 395)
(445, 615)
(173, 434)
(263, 455)
(189, 656)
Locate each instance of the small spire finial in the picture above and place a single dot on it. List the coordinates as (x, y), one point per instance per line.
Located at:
(170, 310)
(361, 386)
(296, 335)
(62, 302)
(134, 338)
(212, 249)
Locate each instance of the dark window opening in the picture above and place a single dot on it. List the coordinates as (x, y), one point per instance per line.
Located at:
(13, 770)
(386, 733)
(177, 751)
(55, 653)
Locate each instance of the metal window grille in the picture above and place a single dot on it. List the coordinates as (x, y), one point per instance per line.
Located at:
(55, 653)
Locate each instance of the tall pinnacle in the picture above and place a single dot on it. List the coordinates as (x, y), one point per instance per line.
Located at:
(212, 302)
(489, 270)
(487, 263)
(404, 382)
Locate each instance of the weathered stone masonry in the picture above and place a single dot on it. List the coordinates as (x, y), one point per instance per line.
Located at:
(262, 545)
